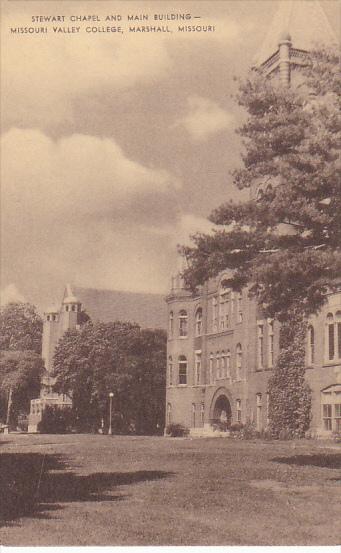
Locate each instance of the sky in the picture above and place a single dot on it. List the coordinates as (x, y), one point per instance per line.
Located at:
(115, 147)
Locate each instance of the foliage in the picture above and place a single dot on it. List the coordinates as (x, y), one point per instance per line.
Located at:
(20, 373)
(289, 395)
(56, 420)
(286, 245)
(20, 327)
(245, 431)
(114, 357)
(176, 430)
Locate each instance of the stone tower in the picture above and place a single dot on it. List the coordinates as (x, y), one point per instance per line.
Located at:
(57, 320)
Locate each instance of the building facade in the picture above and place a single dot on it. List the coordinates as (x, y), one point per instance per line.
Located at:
(221, 350)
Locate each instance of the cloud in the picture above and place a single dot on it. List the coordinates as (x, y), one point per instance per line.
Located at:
(10, 294)
(43, 76)
(204, 118)
(78, 209)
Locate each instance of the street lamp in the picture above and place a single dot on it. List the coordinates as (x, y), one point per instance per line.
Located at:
(111, 395)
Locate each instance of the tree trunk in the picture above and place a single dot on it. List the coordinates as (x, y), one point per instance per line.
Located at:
(9, 405)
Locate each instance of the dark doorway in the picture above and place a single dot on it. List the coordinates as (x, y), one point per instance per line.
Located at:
(222, 412)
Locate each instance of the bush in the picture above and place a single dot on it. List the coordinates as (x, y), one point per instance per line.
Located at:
(56, 420)
(177, 430)
(236, 427)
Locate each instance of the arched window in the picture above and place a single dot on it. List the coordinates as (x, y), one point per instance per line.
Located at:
(218, 361)
(183, 323)
(198, 322)
(170, 371)
(210, 377)
(197, 368)
(47, 317)
(330, 337)
(224, 307)
(182, 369)
(66, 308)
(240, 307)
(311, 345)
(260, 345)
(333, 336)
(73, 307)
(214, 314)
(171, 324)
(169, 413)
(239, 361)
(202, 414)
(271, 339)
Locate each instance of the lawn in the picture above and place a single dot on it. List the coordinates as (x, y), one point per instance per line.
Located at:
(100, 490)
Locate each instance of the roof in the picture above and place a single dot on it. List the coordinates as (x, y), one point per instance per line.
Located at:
(69, 296)
(304, 20)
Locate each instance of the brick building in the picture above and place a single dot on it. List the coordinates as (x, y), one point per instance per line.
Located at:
(220, 350)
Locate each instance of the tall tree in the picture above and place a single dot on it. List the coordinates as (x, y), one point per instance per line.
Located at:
(285, 242)
(286, 246)
(20, 373)
(20, 327)
(113, 357)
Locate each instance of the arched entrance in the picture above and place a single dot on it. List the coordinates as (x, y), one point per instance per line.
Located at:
(222, 413)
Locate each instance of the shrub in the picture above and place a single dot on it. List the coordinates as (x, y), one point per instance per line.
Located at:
(236, 427)
(176, 430)
(56, 420)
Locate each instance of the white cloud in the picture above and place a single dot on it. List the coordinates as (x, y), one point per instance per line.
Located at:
(10, 294)
(79, 209)
(43, 76)
(204, 118)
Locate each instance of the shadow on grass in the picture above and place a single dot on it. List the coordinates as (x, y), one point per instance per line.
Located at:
(324, 460)
(32, 484)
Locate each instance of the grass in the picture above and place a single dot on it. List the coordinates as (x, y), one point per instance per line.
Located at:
(100, 490)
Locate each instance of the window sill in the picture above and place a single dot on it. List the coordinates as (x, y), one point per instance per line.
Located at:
(332, 363)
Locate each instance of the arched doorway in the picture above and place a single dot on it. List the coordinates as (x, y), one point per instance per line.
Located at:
(222, 413)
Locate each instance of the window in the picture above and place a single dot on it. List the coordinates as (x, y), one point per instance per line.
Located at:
(170, 371)
(193, 415)
(210, 378)
(214, 314)
(331, 408)
(228, 364)
(169, 413)
(259, 406)
(224, 307)
(240, 307)
(239, 361)
(47, 317)
(73, 307)
(260, 346)
(239, 410)
(197, 368)
(198, 322)
(54, 317)
(182, 369)
(267, 408)
(171, 324)
(202, 414)
(66, 308)
(327, 416)
(271, 344)
(225, 362)
(217, 365)
(311, 345)
(333, 336)
(183, 324)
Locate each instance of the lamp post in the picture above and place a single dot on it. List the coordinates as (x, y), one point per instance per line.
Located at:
(111, 395)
